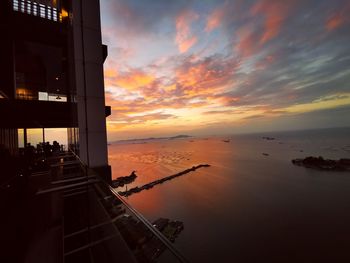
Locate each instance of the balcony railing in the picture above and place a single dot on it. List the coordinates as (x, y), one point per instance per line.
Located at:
(71, 210)
(37, 9)
(157, 248)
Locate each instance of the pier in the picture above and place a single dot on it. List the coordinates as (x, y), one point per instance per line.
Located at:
(138, 189)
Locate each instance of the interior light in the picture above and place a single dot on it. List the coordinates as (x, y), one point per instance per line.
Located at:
(64, 13)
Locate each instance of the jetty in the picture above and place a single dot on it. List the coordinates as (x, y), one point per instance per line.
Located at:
(147, 186)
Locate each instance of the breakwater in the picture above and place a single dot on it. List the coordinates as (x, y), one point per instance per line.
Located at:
(120, 181)
(147, 186)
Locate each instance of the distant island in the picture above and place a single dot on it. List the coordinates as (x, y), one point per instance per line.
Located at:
(320, 163)
(143, 140)
(268, 138)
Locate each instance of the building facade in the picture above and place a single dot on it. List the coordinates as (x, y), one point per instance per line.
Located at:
(52, 77)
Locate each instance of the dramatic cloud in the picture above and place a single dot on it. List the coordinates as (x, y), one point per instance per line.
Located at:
(224, 63)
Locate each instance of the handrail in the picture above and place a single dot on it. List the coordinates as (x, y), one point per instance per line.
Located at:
(140, 217)
(154, 230)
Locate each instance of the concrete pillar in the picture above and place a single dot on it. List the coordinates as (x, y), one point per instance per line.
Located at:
(88, 60)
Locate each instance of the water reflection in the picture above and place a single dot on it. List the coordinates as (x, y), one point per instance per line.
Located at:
(246, 205)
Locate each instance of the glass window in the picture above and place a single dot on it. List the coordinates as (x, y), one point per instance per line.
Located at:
(20, 133)
(57, 97)
(57, 134)
(40, 72)
(43, 96)
(34, 136)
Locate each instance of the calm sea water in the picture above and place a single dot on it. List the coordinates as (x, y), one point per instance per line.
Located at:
(246, 207)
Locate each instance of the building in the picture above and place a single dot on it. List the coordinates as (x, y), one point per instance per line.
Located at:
(52, 71)
(56, 203)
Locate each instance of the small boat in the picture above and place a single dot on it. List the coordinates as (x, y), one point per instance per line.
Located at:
(226, 140)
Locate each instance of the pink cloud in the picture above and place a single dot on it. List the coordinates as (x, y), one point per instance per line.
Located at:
(215, 18)
(248, 42)
(184, 37)
(275, 13)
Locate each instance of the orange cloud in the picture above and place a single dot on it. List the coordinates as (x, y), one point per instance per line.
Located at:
(110, 73)
(250, 37)
(140, 98)
(204, 77)
(338, 19)
(132, 80)
(334, 22)
(275, 12)
(184, 37)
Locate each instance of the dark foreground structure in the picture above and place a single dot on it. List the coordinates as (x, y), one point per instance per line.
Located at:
(55, 199)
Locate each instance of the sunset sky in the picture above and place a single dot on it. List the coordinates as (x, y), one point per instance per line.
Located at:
(219, 67)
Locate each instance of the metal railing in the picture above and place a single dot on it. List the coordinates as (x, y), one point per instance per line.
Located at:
(150, 227)
(138, 216)
(37, 9)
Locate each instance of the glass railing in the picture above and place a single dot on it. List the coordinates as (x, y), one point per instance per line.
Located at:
(144, 240)
(56, 201)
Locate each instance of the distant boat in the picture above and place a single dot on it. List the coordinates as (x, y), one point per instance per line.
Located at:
(265, 154)
(226, 140)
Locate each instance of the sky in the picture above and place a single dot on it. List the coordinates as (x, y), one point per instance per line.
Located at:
(207, 67)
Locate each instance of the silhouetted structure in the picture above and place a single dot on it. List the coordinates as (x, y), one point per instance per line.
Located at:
(57, 206)
(52, 77)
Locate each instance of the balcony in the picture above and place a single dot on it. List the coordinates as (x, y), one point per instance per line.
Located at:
(63, 211)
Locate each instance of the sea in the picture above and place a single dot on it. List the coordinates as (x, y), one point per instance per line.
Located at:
(252, 204)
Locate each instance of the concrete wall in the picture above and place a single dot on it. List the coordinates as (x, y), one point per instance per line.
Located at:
(88, 58)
